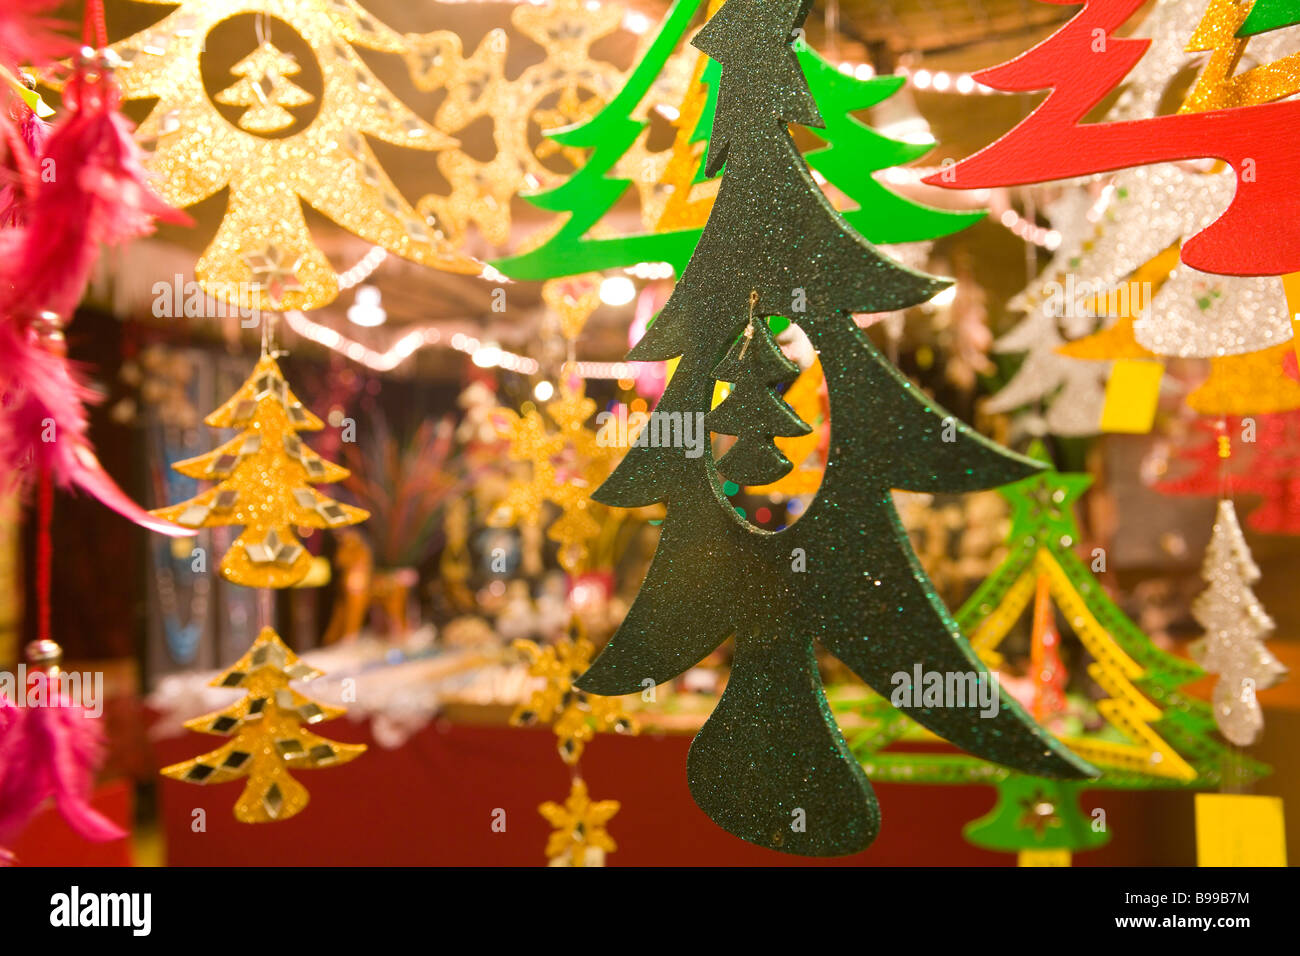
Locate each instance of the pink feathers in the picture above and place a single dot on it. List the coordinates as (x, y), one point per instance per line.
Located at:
(90, 189)
(50, 751)
(83, 186)
(29, 35)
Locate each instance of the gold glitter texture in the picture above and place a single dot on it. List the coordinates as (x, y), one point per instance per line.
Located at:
(265, 88)
(567, 86)
(268, 734)
(688, 203)
(1250, 384)
(328, 164)
(574, 715)
(579, 825)
(1220, 86)
(263, 482)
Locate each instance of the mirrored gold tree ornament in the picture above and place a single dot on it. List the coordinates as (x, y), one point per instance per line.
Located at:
(575, 716)
(579, 828)
(263, 478)
(269, 736)
(327, 164)
(566, 86)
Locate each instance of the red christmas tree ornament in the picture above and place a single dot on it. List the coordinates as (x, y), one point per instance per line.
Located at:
(1259, 234)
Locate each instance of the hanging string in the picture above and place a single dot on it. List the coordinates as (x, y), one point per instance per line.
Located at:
(44, 552)
(94, 29)
(749, 329)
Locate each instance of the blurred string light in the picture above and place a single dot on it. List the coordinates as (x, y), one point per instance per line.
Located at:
(617, 290)
(367, 311)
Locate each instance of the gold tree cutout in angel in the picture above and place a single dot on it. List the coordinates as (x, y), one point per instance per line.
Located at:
(579, 826)
(263, 482)
(269, 735)
(574, 715)
(265, 89)
(328, 164)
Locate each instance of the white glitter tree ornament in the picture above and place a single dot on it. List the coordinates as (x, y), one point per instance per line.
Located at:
(1070, 391)
(1235, 628)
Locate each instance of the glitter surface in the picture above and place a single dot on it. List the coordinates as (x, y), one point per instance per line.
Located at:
(268, 734)
(328, 164)
(1236, 626)
(263, 477)
(770, 765)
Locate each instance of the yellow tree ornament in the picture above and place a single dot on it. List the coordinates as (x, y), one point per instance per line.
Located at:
(327, 164)
(566, 86)
(575, 716)
(268, 734)
(263, 482)
(265, 88)
(579, 828)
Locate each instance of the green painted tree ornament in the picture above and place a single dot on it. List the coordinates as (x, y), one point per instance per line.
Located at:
(770, 765)
(1268, 15)
(853, 153)
(1156, 735)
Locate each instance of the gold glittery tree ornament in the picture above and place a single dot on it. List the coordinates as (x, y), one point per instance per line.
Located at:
(268, 734)
(566, 463)
(579, 827)
(573, 715)
(263, 482)
(327, 164)
(566, 86)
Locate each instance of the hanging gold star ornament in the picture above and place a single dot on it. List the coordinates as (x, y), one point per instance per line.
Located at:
(286, 148)
(268, 734)
(579, 828)
(567, 86)
(574, 715)
(263, 478)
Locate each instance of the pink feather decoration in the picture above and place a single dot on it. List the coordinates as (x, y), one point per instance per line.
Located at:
(98, 194)
(47, 752)
(32, 134)
(30, 36)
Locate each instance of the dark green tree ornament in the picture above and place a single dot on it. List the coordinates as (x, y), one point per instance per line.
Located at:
(753, 411)
(770, 765)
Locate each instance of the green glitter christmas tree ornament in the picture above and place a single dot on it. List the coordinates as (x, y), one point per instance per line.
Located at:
(770, 765)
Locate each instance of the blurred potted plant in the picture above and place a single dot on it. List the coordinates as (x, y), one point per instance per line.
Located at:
(404, 486)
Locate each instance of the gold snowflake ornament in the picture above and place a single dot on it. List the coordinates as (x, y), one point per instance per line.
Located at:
(268, 734)
(326, 164)
(567, 86)
(574, 715)
(579, 826)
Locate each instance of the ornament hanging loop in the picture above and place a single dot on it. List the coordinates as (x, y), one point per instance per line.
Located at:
(749, 329)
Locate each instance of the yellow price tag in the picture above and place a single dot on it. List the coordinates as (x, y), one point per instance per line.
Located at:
(1131, 396)
(1235, 829)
